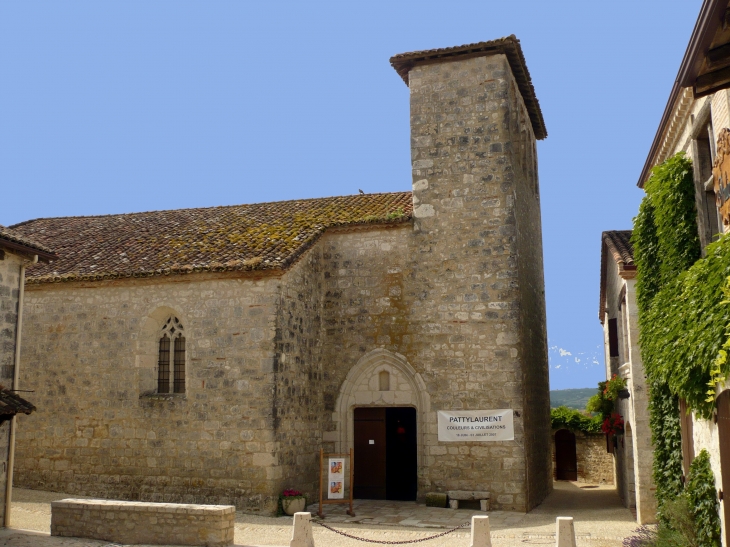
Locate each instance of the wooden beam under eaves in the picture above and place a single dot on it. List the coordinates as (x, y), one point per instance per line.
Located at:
(718, 57)
(712, 82)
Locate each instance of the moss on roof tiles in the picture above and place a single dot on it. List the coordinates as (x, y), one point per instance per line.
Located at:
(263, 236)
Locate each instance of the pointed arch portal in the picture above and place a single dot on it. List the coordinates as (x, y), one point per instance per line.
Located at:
(383, 412)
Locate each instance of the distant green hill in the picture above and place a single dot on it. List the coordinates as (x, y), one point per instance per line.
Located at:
(572, 398)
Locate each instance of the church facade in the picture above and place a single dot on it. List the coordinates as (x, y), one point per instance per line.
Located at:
(206, 355)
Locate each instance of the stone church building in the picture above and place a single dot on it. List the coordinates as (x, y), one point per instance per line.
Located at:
(206, 355)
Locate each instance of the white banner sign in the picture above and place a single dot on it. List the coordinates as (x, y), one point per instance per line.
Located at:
(336, 479)
(476, 425)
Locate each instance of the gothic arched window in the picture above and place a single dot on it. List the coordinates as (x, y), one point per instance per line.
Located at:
(173, 337)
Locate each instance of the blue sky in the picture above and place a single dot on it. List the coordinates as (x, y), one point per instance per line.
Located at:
(113, 107)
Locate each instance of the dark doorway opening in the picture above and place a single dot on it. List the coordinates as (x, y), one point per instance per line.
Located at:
(385, 453)
(566, 461)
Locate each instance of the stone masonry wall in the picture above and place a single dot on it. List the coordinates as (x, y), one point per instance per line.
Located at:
(532, 313)
(467, 291)
(9, 295)
(144, 523)
(91, 356)
(595, 463)
(300, 400)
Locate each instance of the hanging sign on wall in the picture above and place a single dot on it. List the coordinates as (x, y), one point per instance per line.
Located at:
(476, 425)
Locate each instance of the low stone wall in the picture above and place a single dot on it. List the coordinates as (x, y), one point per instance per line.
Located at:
(131, 522)
(597, 463)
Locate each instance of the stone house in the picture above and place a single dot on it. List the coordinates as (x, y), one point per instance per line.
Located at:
(695, 117)
(619, 316)
(16, 253)
(206, 355)
(581, 457)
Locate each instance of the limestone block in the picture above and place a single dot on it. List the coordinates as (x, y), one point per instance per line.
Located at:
(144, 522)
(466, 495)
(302, 531)
(480, 533)
(565, 532)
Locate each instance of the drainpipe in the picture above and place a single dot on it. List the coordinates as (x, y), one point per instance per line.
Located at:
(16, 376)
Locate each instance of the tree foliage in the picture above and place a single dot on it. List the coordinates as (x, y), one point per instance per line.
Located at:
(567, 418)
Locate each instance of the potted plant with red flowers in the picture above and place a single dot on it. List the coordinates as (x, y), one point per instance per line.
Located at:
(611, 427)
(292, 501)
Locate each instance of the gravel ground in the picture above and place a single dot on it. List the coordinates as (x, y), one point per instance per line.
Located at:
(600, 521)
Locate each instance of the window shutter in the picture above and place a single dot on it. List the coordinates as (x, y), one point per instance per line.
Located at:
(613, 338)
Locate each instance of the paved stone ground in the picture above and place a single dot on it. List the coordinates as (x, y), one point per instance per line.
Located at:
(600, 521)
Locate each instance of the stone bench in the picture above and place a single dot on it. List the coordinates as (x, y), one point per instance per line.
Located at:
(468, 495)
(135, 522)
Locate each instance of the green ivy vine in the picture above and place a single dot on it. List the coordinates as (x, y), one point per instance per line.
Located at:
(700, 491)
(667, 439)
(666, 243)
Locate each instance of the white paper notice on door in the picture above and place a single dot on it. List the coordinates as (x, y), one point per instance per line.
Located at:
(476, 425)
(336, 479)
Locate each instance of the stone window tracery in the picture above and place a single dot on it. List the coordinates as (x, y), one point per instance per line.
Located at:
(172, 338)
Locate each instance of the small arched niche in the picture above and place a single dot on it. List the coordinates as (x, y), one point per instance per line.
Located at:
(384, 380)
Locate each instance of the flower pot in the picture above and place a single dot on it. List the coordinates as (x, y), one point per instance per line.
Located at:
(293, 505)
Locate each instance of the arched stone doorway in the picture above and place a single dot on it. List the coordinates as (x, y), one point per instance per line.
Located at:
(382, 392)
(566, 459)
(723, 431)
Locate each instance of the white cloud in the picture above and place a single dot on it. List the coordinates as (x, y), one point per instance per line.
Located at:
(564, 352)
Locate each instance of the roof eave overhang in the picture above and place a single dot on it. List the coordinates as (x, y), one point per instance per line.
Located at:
(508, 46)
(711, 17)
(27, 250)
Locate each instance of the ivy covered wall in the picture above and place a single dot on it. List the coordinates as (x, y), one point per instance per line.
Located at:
(683, 322)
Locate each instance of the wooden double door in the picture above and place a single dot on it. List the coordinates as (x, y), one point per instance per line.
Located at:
(385, 453)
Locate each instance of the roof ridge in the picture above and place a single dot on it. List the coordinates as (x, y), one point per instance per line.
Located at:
(25, 222)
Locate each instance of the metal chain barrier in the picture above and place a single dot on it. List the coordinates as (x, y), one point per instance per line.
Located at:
(391, 542)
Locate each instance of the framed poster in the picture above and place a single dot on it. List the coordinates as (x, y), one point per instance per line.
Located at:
(332, 479)
(476, 425)
(336, 479)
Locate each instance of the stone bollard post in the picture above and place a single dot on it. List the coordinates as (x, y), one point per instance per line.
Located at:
(565, 533)
(480, 534)
(302, 532)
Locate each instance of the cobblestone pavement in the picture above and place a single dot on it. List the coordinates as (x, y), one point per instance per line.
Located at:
(600, 521)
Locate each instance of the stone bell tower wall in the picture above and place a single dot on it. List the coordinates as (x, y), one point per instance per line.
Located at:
(479, 280)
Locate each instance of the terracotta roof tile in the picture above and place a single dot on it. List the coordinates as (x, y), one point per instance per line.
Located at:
(262, 236)
(619, 243)
(18, 241)
(508, 46)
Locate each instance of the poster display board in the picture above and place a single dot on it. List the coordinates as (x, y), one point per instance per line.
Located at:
(336, 475)
(336, 479)
(476, 425)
